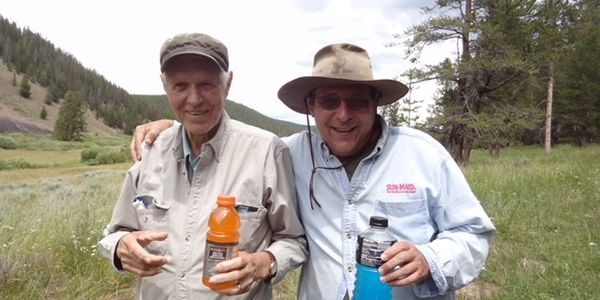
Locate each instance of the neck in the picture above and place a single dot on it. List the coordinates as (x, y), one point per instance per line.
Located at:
(366, 148)
(197, 140)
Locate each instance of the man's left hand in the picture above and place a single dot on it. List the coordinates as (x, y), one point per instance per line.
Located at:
(404, 265)
(245, 269)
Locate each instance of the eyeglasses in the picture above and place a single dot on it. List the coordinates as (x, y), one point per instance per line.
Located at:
(355, 104)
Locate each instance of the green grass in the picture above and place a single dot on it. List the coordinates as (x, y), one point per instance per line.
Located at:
(545, 208)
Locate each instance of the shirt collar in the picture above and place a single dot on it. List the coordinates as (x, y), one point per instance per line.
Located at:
(187, 150)
(213, 147)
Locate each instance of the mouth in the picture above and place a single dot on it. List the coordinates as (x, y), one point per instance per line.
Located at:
(197, 113)
(344, 130)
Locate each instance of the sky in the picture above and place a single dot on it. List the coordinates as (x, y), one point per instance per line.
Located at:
(270, 42)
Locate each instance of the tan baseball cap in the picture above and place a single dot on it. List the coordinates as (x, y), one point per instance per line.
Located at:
(194, 43)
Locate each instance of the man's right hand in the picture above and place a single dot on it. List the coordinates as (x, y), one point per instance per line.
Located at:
(135, 259)
(147, 132)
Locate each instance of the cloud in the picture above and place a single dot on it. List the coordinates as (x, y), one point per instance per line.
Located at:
(270, 42)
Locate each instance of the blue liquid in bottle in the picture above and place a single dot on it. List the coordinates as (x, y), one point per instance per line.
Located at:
(371, 244)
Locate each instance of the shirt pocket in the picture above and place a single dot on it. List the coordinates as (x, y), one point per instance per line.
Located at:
(252, 226)
(408, 218)
(153, 215)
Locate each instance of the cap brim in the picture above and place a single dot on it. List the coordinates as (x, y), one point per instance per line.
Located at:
(293, 93)
(186, 50)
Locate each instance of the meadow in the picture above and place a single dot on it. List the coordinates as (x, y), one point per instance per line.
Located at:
(53, 208)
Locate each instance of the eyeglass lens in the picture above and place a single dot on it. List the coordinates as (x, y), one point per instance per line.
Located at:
(356, 104)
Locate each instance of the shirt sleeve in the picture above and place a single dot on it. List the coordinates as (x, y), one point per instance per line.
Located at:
(458, 253)
(288, 241)
(123, 220)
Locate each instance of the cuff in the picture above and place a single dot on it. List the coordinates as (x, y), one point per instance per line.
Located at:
(108, 248)
(436, 283)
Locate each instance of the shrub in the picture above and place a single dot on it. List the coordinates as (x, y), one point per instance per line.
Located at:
(7, 143)
(111, 156)
(89, 154)
(17, 164)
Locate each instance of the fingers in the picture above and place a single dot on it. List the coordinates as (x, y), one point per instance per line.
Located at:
(145, 237)
(243, 269)
(136, 141)
(230, 270)
(148, 133)
(408, 274)
(404, 265)
(135, 259)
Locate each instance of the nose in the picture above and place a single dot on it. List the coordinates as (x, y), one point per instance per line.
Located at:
(343, 112)
(195, 96)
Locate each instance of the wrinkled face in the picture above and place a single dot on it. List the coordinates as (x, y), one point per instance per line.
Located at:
(345, 117)
(196, 88)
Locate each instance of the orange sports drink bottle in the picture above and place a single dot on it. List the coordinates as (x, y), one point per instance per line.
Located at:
(221, 239)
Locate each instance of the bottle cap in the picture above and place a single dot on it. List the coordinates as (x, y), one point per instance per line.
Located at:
(377, 221)
(226, 200)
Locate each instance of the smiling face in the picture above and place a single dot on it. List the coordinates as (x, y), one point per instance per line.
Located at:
(345, 117)
(196, 88)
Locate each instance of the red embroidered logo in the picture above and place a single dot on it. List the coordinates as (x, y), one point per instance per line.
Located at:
(401, 188)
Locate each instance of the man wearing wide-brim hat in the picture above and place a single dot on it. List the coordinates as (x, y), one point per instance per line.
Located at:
(356, 167)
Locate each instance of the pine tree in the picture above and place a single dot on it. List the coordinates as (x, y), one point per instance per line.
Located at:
(392, 114)
(70, 123)
(43, 113)
(25, 91)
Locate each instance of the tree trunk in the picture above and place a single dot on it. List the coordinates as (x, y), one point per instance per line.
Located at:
(548, 133)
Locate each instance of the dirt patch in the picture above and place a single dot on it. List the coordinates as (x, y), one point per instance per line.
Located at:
(478, 291)
(10, 124)
(532, 265)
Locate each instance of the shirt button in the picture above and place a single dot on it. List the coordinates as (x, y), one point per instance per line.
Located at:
(349, 201)
(349, 269)
(145, 219)
(181, 274)
(187, 237)
(349, 235)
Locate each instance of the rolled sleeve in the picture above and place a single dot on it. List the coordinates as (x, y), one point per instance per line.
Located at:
(436, 283)
(457, 255)
(123, 220)
(289, 241)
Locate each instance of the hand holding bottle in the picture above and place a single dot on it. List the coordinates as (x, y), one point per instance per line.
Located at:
(245, 269)
(404, 265)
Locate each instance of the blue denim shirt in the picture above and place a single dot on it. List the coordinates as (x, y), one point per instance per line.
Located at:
(413, 181)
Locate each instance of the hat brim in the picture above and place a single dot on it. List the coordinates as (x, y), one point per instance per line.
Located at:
(189, 50)
(293, 93)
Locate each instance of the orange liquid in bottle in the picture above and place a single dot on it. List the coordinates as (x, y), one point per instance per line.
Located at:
(221, 239)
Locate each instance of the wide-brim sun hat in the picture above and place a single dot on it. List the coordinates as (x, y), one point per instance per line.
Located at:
(339, 64)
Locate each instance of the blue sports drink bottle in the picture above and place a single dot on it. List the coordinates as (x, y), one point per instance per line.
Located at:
(370, 245)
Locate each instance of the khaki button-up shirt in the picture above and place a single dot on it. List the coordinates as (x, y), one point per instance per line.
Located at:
(240, 160)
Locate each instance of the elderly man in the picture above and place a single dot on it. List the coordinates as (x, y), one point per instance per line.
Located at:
(357, 167)
(159, 224)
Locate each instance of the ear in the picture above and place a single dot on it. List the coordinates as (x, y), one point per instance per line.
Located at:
(163, 79)
(229, 80)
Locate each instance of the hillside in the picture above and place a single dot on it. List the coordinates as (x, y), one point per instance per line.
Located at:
(52, 72)
(18, 114)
